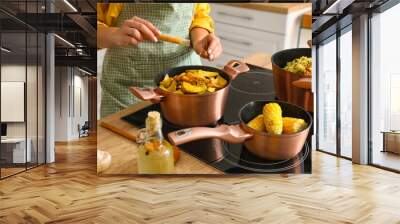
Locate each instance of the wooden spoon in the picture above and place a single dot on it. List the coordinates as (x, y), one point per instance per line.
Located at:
(175, 40)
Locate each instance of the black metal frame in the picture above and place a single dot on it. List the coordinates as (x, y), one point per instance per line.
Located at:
(44, 71)
(369, 117)
(338, 95)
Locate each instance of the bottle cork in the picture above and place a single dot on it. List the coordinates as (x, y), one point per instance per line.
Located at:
(153, 121)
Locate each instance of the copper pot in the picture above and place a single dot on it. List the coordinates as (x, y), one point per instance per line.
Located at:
(192, 109)
(302, 94)
(284, 81)
(262, 144)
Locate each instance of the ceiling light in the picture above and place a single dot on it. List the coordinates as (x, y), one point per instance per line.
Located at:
(84, 71)
(70, 5)
(5, 50)
(65, 41)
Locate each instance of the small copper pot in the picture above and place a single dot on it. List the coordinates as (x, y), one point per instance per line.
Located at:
(192, 109)
(285, 82)
(262, 144)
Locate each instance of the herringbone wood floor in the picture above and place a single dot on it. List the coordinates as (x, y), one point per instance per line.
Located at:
(69, 191)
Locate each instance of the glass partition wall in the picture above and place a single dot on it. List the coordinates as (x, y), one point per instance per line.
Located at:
(385, 89)
(345, 92)
(22, 88)
(382, 72)
(327, 140)
(334, 94)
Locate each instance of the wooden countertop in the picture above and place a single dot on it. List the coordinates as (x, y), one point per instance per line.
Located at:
(307, 21)
(262, 60)
(283, 8)
(122, 152)
(117, 154)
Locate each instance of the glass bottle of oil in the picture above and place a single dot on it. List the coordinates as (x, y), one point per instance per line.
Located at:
(155, 155)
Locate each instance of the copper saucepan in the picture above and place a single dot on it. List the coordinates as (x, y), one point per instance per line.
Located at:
(192, 109)
(262, 144)
(286, 83)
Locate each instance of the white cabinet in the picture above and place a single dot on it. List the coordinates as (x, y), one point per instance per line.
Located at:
(16, 148)
(245, 31)
(249, 18)
(305, 35)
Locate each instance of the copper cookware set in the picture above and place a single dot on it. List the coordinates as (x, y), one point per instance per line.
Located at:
(199, 110)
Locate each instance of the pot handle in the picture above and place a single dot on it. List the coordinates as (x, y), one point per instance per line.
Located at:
(146, 94)
(235, 67)
(229, 133)
(303, 83)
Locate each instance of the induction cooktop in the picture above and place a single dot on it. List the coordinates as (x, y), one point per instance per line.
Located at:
(256, 84)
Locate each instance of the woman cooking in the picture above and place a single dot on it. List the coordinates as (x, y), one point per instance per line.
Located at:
(135, 55)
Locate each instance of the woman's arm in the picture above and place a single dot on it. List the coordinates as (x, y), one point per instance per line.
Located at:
(204, 41)
(131, 32)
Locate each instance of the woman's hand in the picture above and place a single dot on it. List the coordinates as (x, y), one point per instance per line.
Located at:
(206, 44)
(132, 32)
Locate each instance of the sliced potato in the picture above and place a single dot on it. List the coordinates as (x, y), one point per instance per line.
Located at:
(193, 82)
(219, 82)
(172, 87)
(163, 88)
(189, 88)
(166, 82)
(211, 89)
(203, 73)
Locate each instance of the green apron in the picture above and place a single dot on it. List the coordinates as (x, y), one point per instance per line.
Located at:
(138, 66)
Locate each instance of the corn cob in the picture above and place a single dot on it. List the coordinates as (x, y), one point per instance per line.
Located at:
(257, 123)
(273, 118)
(293, 125)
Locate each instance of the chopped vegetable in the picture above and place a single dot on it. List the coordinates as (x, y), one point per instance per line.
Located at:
(273, 118)
(257, 123)
(293, 125)
(193, 82)
(301, 66)
(218, 82)
(189, 88)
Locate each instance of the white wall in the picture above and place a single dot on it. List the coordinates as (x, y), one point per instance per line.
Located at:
(33, 127)
(12, 73)
(62, 81)
(67, 115)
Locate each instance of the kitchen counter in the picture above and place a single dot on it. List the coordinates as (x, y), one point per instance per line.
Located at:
(123, 151)
(283, 8)
(307, 21)
(262, 60)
